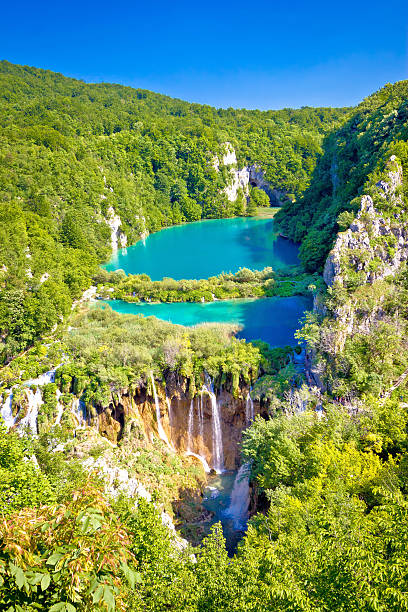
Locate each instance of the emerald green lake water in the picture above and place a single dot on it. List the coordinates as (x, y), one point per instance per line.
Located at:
(273, 320)
(207, 248)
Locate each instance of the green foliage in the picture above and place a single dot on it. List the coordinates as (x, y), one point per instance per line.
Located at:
(258, 197)
(67, 557)
(22, 482)
(71, 153)
(243, 284)
(112, 351)
(354, 158)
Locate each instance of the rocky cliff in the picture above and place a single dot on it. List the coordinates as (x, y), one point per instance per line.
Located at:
(372, 249)
(188, 424)
(242, 178)
(208, 427)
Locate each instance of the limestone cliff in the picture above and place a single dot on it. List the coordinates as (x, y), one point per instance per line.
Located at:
(188, 423)
(371, 250)
(242, 178)
(118, 238)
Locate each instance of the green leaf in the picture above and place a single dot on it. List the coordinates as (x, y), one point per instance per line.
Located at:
(20, 578)
(45, 582)
(54, 558)
(109, 598)
(61, 606)
(97, 596)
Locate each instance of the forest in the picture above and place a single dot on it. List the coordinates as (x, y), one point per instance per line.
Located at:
(70, 153)
(328, 528)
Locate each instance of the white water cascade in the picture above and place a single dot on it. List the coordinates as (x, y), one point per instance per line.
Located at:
(6, 411)
(190, 431)
(160, 430)
(205, 465)
(239, 504)
(34, 400)
(190, 427)
(78, 409)
(60, 409)
(170, 409)
(30, 418)
(249, 409)
(218, 452)
(201, 423)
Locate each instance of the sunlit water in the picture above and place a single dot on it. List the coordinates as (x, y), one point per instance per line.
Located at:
(207, 248)
(273, 320)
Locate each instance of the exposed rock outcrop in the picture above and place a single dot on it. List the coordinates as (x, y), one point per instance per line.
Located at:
(244, 177)
(118, 238)
(372, 249)
(187, 423)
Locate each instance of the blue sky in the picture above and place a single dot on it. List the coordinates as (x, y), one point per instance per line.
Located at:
(241, 54)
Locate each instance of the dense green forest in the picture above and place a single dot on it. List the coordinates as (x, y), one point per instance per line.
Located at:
(353, 160)
(71, 153)
(329, 524)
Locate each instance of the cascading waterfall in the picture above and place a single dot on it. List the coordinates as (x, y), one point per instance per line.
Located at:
(34, 402)
(190, 427)
(30, 418)
(60, 409)
(218, 452)
(78, 408)
(249, 409)
(7, 412)
(240, 497)
(170, 409)
(160, 430)
(201, 423)
(190, 431)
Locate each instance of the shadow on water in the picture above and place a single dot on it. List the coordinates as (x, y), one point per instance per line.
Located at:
(198, 514)
(263, 242)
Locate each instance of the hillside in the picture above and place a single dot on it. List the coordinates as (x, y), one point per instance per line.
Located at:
(354, 158)
(84, 167)
(113, 423)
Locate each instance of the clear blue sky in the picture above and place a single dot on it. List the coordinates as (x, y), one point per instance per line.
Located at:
(241, 54)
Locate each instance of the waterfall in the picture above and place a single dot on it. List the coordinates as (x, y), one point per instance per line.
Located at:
(43, 379)
(218, 453)
(160, 430)
(30, 418)
(78, 408)
(7, 412)
(249, 409)
(201, 423)
(34, 402)
(239, 504)
(190, 427)
(200, 458)
(60, 409)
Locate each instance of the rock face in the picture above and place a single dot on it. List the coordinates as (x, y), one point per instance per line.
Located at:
(372, 249)
(188, 423)
(114, 222)
(242, 178)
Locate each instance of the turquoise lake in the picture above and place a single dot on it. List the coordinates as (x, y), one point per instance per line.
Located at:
(207, 248)
(204, 249)
(273, 320)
